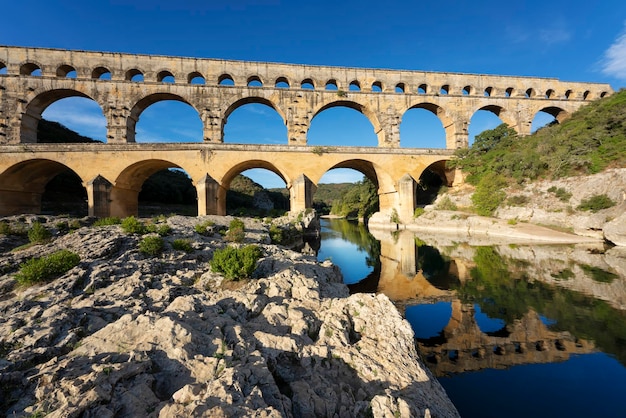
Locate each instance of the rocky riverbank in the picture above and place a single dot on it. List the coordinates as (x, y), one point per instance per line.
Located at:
(544, 211)
(124, 334)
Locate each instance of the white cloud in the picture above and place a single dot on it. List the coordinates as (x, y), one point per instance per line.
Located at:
(614, 62)
(554, 35)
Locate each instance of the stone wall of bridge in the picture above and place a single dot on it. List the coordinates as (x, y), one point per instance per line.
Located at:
(33, 78)
(114, 174)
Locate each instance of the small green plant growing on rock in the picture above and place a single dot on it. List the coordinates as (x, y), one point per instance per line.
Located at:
(596, 203)
(161, 229)
(446, 204)
(132, 225)
(152, 245)
(38, 233)
(489, 194)
(205, 228)
(236, 263)
(562, 194)
(236, 231)
(5, 228)
(47, 268)
(111, 220)
(418, 212)
(182, 244)
(394, 218)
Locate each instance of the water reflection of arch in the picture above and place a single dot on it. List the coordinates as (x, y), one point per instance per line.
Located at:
(463, 346)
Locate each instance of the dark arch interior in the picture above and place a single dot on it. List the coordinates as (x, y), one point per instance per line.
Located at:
(168, 191)
(65, 194)
(432, 179)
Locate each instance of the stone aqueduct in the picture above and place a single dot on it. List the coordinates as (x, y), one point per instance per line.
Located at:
(124, 85)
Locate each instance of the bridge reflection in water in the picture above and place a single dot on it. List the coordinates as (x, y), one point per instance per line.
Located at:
(494, 307)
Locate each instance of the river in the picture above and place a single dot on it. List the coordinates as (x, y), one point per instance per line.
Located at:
(509, 331)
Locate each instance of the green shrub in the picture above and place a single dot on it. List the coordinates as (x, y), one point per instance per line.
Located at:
(132, 225)
(151, 245)
(517, 200)
(276, 234)
(38, 233)
(562, 194)
(489, 194)
(446, 204)
(418, 212)
(5, 228)
(182, 244)
(394, 218)
(47, 268)
(236, 231)
(236, 263)
(161, 229)
(205, 228)
(596, 203)
(112, 220)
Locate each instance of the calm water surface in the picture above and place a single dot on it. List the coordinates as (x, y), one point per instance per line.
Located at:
(510, 331)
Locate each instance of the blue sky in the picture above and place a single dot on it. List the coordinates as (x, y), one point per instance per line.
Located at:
(569, 40)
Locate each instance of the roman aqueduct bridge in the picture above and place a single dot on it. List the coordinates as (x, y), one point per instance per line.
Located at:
(124, 85)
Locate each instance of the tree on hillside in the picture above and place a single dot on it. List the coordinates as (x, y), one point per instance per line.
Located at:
(361, 200)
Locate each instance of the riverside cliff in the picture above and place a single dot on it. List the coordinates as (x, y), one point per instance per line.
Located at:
(123, 334)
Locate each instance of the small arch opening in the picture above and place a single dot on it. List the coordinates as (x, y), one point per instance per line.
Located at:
(422, 89)
(549, 94)
(101, 73)
(66, 71)
(196, 78)
(529, 93)
(354, 86)
(3, 68)
(445, 89)
(254, 81)
(602, 95)
(568, 93)
(331, 85)
(586, 95)
(508, 92)
(282, 83)
(31, 69)
(400, 88)
(166, 77)
(225, 80)
(467, 90)
(488, 91)
(377, 87)
(307, 84)
(134, 75)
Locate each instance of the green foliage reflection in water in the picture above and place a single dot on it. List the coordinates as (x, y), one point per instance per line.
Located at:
(502, 290)
(357, 233)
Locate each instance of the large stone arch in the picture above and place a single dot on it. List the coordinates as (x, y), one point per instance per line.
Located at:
(227, 178)
(559, 114)
(250, 100)
(355, 105)
(501, 112)
(22, 185)
(144, 103)
(127, 185)
(38, 103)
(447, 122)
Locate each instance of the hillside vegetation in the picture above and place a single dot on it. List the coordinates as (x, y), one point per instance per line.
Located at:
(591, 140)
